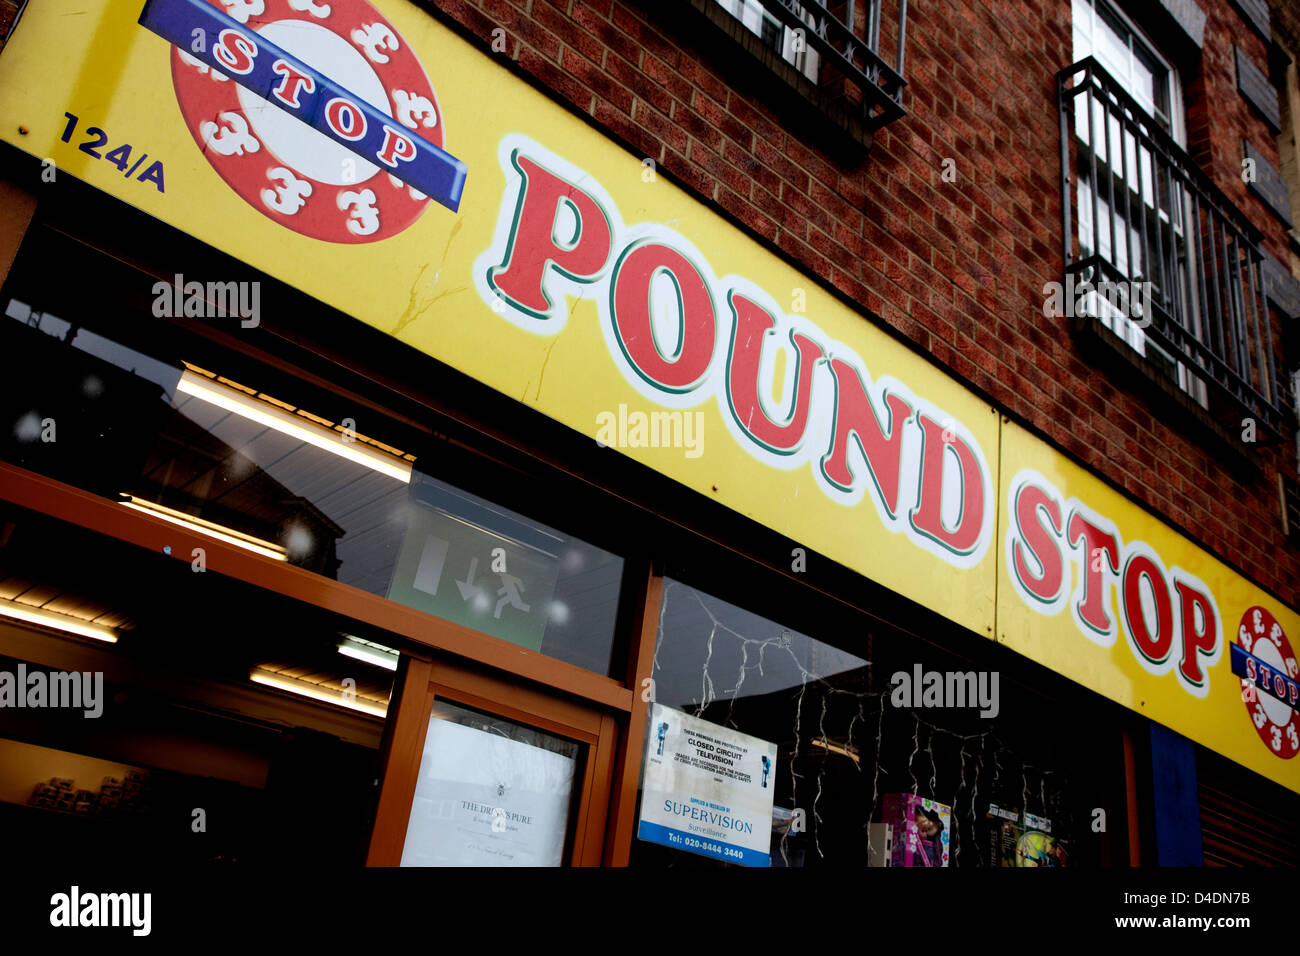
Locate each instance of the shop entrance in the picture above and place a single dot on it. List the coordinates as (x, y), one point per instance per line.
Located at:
(485, 771)
(321, 493)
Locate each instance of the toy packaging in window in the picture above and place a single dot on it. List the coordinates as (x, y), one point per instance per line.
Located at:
(922, 829)
(990, 835)
(1023, 839)
(882, 844)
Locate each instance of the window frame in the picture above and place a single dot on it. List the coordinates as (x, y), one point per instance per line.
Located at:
(1177, 127)
(1174, 123)
(806, 61)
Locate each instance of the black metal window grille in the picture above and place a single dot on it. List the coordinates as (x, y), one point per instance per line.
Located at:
(790, 44)
(1101, 31)
(1137, 209)
(843, 37)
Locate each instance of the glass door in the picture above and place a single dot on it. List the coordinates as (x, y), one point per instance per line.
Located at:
(484, 771)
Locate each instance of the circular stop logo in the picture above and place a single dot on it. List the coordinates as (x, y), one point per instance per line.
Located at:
(1271, 672)
(324, 140)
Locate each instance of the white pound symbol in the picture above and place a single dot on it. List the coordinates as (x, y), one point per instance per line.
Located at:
(374, 37)
(307, 6)
(241, 10)
(202, 67)
(290, 195)
(365, 217)
(412, 108)
(231, 139)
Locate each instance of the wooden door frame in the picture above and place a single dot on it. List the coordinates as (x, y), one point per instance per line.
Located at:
(85, 509)
(623, 706)
(17, 206)
(631, 743)
(422, 681)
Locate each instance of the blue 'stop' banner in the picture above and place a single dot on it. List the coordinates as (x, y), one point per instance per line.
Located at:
(1272, 680)
(217, 39)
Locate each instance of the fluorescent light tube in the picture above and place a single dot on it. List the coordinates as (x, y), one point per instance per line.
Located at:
(260, 546)
(369, 652)
(295, 426)
(62, 622)
(315, 691)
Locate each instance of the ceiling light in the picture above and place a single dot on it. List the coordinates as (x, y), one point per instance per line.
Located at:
(316, 692)
(295, 426)
(260, 546)
(369, 652)
(62, 622)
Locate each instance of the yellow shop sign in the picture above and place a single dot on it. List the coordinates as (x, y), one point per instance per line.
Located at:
(364, 153)
(1097, 589)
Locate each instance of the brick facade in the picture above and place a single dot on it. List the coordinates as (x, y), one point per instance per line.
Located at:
(955, 268)
(1286, 29)
(1253, 84)
(8, 13)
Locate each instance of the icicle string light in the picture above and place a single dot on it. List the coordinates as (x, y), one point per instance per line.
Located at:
(970, 789)
(974, 799)
(916, 746)
(956, 806)
(659, 636)
(817, 819)
(875, 777)
(934, 770)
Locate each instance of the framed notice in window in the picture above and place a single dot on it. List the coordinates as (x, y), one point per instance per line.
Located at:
(491, 792)
(707, 789)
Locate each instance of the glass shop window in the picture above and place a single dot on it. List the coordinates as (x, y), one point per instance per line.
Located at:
(732, 680)
(768, 747)
(136, 409)
(148, 691)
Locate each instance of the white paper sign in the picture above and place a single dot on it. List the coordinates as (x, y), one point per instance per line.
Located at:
(485, 800)
(707, 789)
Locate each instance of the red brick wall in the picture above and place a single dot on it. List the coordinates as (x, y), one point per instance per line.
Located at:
(1286, 31)
(1219, 118)
(8, 12)
(957, 268)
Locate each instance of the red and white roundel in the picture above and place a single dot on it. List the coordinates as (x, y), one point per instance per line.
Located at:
(281, 166)
(1276, 722)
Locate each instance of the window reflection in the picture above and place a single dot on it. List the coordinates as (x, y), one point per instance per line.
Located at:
(218, 456)
(489, 568)
(844, 743)
(731, 667)
(713, 656)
